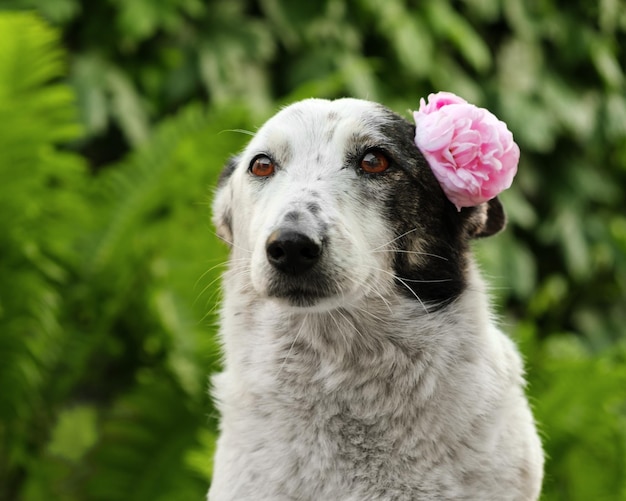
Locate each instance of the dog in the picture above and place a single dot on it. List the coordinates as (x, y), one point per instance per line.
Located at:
(361, 361)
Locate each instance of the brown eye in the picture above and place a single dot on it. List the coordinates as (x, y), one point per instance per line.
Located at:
(374, 162)
(262, 166)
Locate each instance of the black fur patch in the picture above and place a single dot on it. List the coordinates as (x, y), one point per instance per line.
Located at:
(228, 170)
(432, 238)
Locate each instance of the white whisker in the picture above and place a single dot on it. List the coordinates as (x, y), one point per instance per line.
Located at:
(371, 288)
(339, 329)
(216, 279)
(419, 281)
(239, 131)
(394, 240)
(370, 314)
(353, 325)
(414, 294)
(384, 300)
(293, 343)
(403, 282)
(417, 253)
(430, 281)
(233, 244)
(223, 263)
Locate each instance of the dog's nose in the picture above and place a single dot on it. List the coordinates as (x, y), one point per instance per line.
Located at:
(292, 252)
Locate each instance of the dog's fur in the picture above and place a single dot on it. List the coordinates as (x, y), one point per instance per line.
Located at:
(378, 372)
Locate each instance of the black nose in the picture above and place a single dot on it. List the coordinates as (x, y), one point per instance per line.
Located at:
(292, 252)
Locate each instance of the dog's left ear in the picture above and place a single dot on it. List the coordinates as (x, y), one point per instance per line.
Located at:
(222, 204)
(487, 219)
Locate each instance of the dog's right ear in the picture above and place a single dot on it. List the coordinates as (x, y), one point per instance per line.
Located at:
(222, 203)
(486, 219)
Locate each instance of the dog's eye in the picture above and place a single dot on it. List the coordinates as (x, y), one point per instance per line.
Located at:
(374, 162)
(262, 166)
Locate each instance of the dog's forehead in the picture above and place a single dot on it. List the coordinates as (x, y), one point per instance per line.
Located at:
(334, 111)
(314, 112)
(313, 122)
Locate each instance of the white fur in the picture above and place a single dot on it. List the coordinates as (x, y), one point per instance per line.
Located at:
(366, 394)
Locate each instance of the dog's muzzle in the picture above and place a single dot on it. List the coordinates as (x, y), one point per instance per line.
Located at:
(292, 252)
(297, 260)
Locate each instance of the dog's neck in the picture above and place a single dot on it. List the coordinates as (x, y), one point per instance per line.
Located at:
(350, 341)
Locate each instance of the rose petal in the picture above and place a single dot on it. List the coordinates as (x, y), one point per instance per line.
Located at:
(438, 101)
(433, 131)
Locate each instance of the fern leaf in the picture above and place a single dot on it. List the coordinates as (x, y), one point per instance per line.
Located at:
(36, 114)
(154, 175)
(141, 453)
(134, 187)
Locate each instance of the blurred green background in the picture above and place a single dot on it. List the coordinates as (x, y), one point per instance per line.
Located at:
(116, 117)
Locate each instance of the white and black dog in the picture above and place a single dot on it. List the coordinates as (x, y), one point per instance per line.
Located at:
(361, 359)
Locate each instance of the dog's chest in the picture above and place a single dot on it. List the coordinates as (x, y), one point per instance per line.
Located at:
(337, 411)
(341, 420)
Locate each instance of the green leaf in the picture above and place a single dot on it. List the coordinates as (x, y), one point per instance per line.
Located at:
(519, 210)
(407, 33)
(532, 123)
(75, 433)
(200, 459)
(616, 118)
(510, 266)
(127, 108)
(606, 63)
(141, 452)
(520, 66)
(453, 27)
(580, 402)
(59, 11)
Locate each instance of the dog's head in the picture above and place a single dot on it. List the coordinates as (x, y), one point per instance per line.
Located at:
(331, 202)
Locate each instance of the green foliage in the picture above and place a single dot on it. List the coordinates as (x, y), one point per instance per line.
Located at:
(581, 407)
(37, 203)
(115, 119)
(107, 325)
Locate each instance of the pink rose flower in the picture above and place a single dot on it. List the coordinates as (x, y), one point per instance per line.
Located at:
(470, 151)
